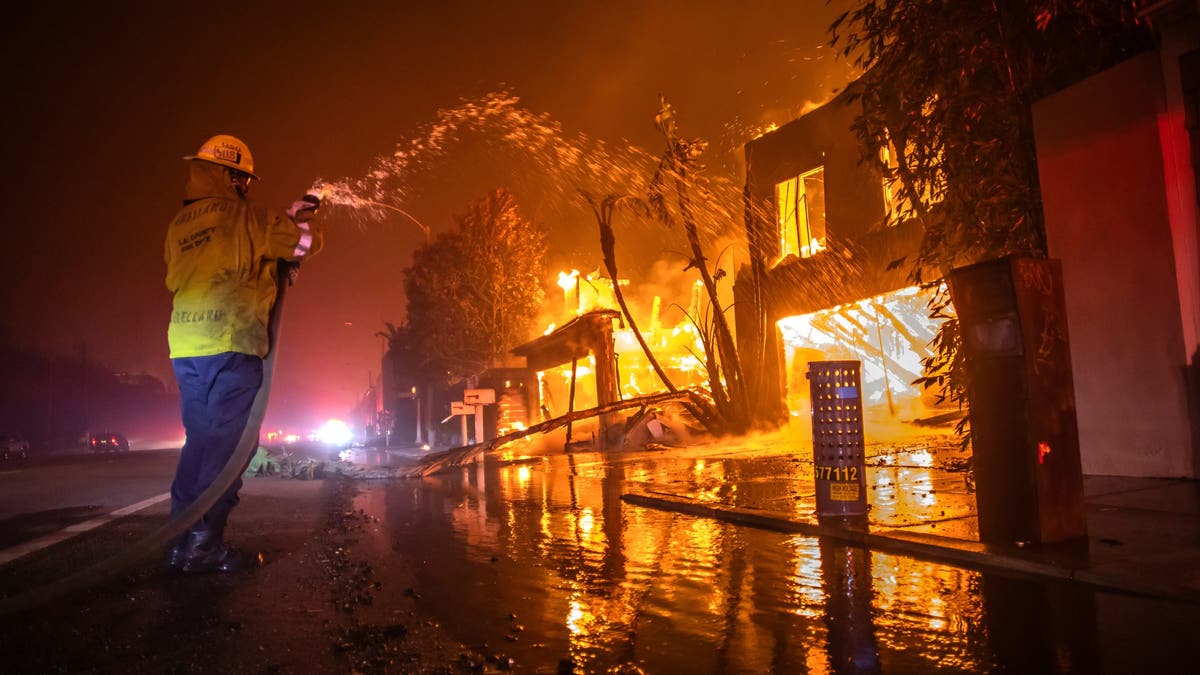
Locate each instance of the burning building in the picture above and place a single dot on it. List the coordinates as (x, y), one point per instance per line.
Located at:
(1117, 155)
(591, 357)
(587, 337)
(826, 281)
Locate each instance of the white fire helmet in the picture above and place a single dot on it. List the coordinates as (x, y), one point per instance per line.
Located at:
(227, 151)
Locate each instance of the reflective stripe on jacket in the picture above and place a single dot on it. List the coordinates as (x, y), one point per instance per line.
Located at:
(221, 256)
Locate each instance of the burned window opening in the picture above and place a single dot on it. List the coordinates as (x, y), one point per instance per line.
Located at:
(800, 208)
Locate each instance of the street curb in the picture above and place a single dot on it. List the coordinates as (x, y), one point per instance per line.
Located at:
(969, 554)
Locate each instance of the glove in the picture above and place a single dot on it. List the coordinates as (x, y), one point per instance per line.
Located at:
(304, 208)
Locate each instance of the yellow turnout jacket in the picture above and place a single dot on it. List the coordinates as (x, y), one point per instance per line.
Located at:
(221, 255)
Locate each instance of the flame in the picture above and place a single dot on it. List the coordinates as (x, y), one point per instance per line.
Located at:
(580, 372)
(763, 131)
(567, 280)
(677, 347)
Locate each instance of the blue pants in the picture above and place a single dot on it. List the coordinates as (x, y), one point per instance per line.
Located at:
(216, 394)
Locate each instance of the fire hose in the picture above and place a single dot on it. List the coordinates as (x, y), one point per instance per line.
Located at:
(158, 540)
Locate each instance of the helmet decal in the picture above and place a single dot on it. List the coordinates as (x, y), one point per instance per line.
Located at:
(228, 151)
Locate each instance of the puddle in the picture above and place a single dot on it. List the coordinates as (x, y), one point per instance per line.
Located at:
(542, 560)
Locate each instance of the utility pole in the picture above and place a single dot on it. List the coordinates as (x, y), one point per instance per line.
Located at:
(84, 361)
(50, 399)
(417, 400)
(369, 405)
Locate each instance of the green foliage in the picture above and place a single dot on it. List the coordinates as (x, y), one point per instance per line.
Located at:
(948, 88)
(402, 348)
(473, 295)
(945, 370)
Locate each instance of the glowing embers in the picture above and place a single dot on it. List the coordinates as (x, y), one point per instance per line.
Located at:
(759, 132)
(889, 334)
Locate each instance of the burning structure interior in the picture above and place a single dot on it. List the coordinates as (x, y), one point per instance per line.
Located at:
(593, 358)
(589, 337)
(586, 358)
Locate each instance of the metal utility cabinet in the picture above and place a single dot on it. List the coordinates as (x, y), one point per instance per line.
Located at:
(1013, 324)
(838, 458)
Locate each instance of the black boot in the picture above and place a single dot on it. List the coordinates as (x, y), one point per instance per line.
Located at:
(175, 553)
(206, 552)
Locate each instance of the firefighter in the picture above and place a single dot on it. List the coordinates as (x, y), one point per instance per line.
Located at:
(223, 255)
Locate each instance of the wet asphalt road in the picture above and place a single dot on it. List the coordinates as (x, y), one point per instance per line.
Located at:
(536, 565)
(297, 614)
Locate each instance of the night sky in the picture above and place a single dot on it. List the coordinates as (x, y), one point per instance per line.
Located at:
(104, 98)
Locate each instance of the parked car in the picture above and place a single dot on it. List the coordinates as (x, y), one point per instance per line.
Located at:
(108, 441)
(13, 447)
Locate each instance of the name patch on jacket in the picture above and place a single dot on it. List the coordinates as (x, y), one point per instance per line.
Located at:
(196, 239)
(197, 317)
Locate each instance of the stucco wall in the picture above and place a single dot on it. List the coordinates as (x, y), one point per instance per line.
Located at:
(1100, 159)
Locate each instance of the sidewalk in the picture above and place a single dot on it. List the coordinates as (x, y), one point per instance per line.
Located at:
(1143, 534)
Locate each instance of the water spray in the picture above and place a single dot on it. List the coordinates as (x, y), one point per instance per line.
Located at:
(340, 194)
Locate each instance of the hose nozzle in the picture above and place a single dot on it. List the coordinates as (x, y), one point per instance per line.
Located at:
(320, 189)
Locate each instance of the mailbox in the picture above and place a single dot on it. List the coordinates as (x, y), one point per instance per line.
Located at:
(479, 396)
(1013, 325)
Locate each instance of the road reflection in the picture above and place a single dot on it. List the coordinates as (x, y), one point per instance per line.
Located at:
(543, 558)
